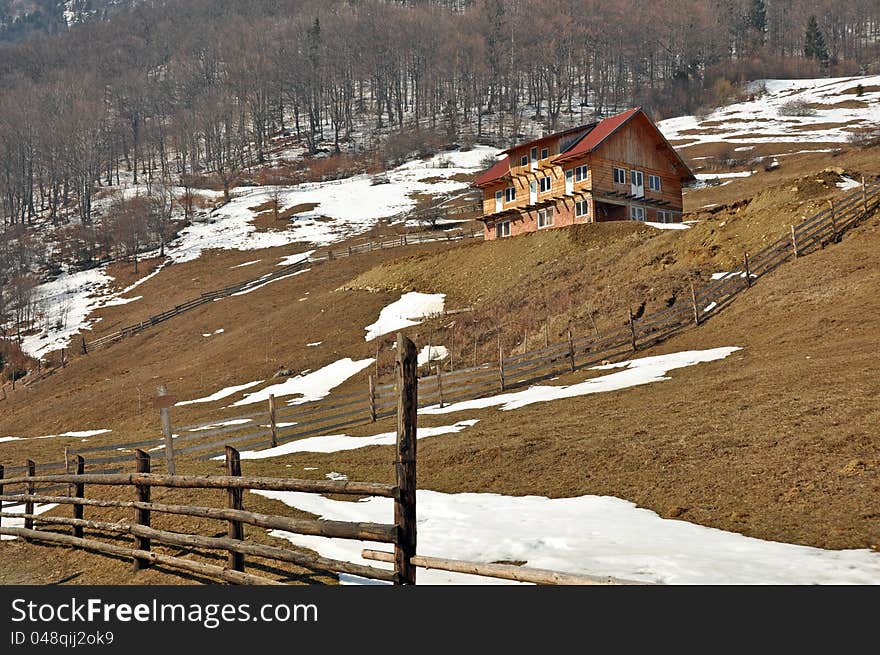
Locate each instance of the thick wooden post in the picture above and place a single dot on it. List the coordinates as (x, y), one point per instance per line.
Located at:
(440, 384)
(272, 424)
(372, 400)
(834, 235)
(794, 243)
(164, 403)
(570, 351)
(85, 349)
(235, 529)
(501, 364)
(632, 330)
(407, 424)
(63, 361)
(694, 303)
(79, 491)
(349, 251)
(404, 238)
(29, 490)
(747, 269)
(141, 516)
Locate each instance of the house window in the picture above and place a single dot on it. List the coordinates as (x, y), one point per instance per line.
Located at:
(545, 152)
(524, 161)
(533, 155)
(546, 183)
(654, 183)
(502, 229)
(545, 217)
(666, 217)
(510, 194)
(581, 208)
(637, 213)
(620, 176)
(580, 173)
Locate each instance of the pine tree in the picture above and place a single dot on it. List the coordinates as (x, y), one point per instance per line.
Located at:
(757, 20)
(814, 43)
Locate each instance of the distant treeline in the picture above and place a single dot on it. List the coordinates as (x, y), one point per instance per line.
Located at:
(198, 87)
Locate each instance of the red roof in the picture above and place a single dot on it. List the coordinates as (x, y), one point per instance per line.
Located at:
(494, 173)
(597, 135)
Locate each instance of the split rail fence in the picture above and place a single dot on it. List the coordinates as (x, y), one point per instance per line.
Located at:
(273, 425)
(401, 533)
(284, 271)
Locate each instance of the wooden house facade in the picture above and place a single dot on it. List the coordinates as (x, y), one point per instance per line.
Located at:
(621, 168)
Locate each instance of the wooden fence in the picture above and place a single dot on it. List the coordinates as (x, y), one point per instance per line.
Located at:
(401, 534)
(271, 425)
(251, 284)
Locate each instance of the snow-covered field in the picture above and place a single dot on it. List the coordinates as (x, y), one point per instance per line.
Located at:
(589, 535)
(762, 119)
(353, 206)
(345, 207)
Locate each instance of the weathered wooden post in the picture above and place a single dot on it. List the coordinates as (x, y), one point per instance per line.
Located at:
(407, 424)
(141, 515)
(372, 400)
(632, 330)
(571, 350)
(404, 239)
(164, 402)
(864, 196)
(234, 495)
(29, 490)
(2, 472)
(63, 361)
(439, 384)
(452, 349)
(501, 364)
(748, 270)
(834, 235)
(546, 335)
(79, 491)
(272, 425)
(694, 303)
(85, 349)
(526, 341)
(794, 243)
(349, 251)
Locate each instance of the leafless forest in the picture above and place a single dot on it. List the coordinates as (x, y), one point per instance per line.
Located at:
(185, 93)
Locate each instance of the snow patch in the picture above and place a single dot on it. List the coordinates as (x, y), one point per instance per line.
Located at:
(313, 386)
(409, 310)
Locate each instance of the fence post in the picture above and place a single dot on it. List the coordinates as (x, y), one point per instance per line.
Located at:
(79, 491)
(85, 349)
(404, 239)
(164, 402)
(272, 424)
(501, 364)
(372, 400)
(407, 424)
(748, 270)
(349, 251)
(63, 361)
(694, 303)
(440, 385)
(2, 471)
(234, 497)
(864, 196)
(29, 490)
(141, 516)
(834, 236)
(794, 244)
(632, 330)
(571, 350)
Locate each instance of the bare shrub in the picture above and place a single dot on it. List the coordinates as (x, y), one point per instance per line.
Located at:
(796, 108)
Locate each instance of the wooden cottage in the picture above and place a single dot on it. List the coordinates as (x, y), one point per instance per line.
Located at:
(621, 168)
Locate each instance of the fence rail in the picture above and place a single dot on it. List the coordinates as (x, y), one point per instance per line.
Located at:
(401, 533)
(251, 284)
(207, 440)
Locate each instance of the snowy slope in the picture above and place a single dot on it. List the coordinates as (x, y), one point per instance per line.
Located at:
(759, 120)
